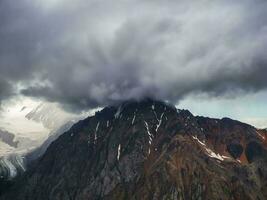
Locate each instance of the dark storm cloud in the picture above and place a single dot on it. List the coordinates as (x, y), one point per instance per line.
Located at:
(91, 53)
(5, 90)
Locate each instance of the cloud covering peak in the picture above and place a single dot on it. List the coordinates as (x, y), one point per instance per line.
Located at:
(85, 54)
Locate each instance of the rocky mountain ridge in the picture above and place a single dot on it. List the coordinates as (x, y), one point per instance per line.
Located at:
(150, 150)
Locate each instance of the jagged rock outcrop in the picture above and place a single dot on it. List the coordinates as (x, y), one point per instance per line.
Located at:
(150, 150)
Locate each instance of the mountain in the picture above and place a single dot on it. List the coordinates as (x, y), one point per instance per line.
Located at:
(8, 138)
(56, 120)
(28, 120)
(11, 166)
(50, 115)
(39, 151)
(150, 150)
(27, 129)
(12, 161)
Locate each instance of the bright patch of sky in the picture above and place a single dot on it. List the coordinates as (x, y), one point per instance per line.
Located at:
(250, 108)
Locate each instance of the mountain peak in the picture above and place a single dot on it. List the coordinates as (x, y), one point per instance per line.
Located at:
(150, 150)
(144, 105)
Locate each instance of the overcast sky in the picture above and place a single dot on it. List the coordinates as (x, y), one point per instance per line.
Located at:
(205, 55)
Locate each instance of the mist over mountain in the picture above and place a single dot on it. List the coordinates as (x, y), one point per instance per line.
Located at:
(92, 54)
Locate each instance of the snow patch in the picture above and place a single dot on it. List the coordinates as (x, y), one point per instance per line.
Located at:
(133, 119)
(209, 151)
(119, 152)
(96, 129)
(117, 114)
(160, 121)
(226, 157)
(148, 132)
(260, 135)
(150, 136)
(214, 155)
(97, 126)
(203, 144)
(95, 139)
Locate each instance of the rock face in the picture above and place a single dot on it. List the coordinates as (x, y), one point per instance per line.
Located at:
(8, 138)
(10, 167)
(150, 150)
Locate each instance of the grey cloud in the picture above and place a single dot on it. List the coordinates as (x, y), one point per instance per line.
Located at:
(92, 53)
(6, 90)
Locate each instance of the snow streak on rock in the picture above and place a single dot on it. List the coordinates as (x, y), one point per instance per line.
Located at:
(159, 122)
(119, 152)
(97, 126)
(158, 119)
(96, 129)
(133, 119)
(260, 135)
(150, 136)
(117, 114)
(209, 151)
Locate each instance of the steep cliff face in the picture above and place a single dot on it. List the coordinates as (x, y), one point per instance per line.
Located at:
(150, 150)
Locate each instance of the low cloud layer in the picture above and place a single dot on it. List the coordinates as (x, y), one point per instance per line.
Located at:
(85, 54)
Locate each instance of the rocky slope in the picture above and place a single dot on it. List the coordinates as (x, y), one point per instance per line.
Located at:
(150, 150)
(39, 151)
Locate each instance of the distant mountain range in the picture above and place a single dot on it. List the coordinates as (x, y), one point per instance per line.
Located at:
(16, 151)
(149, 150)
